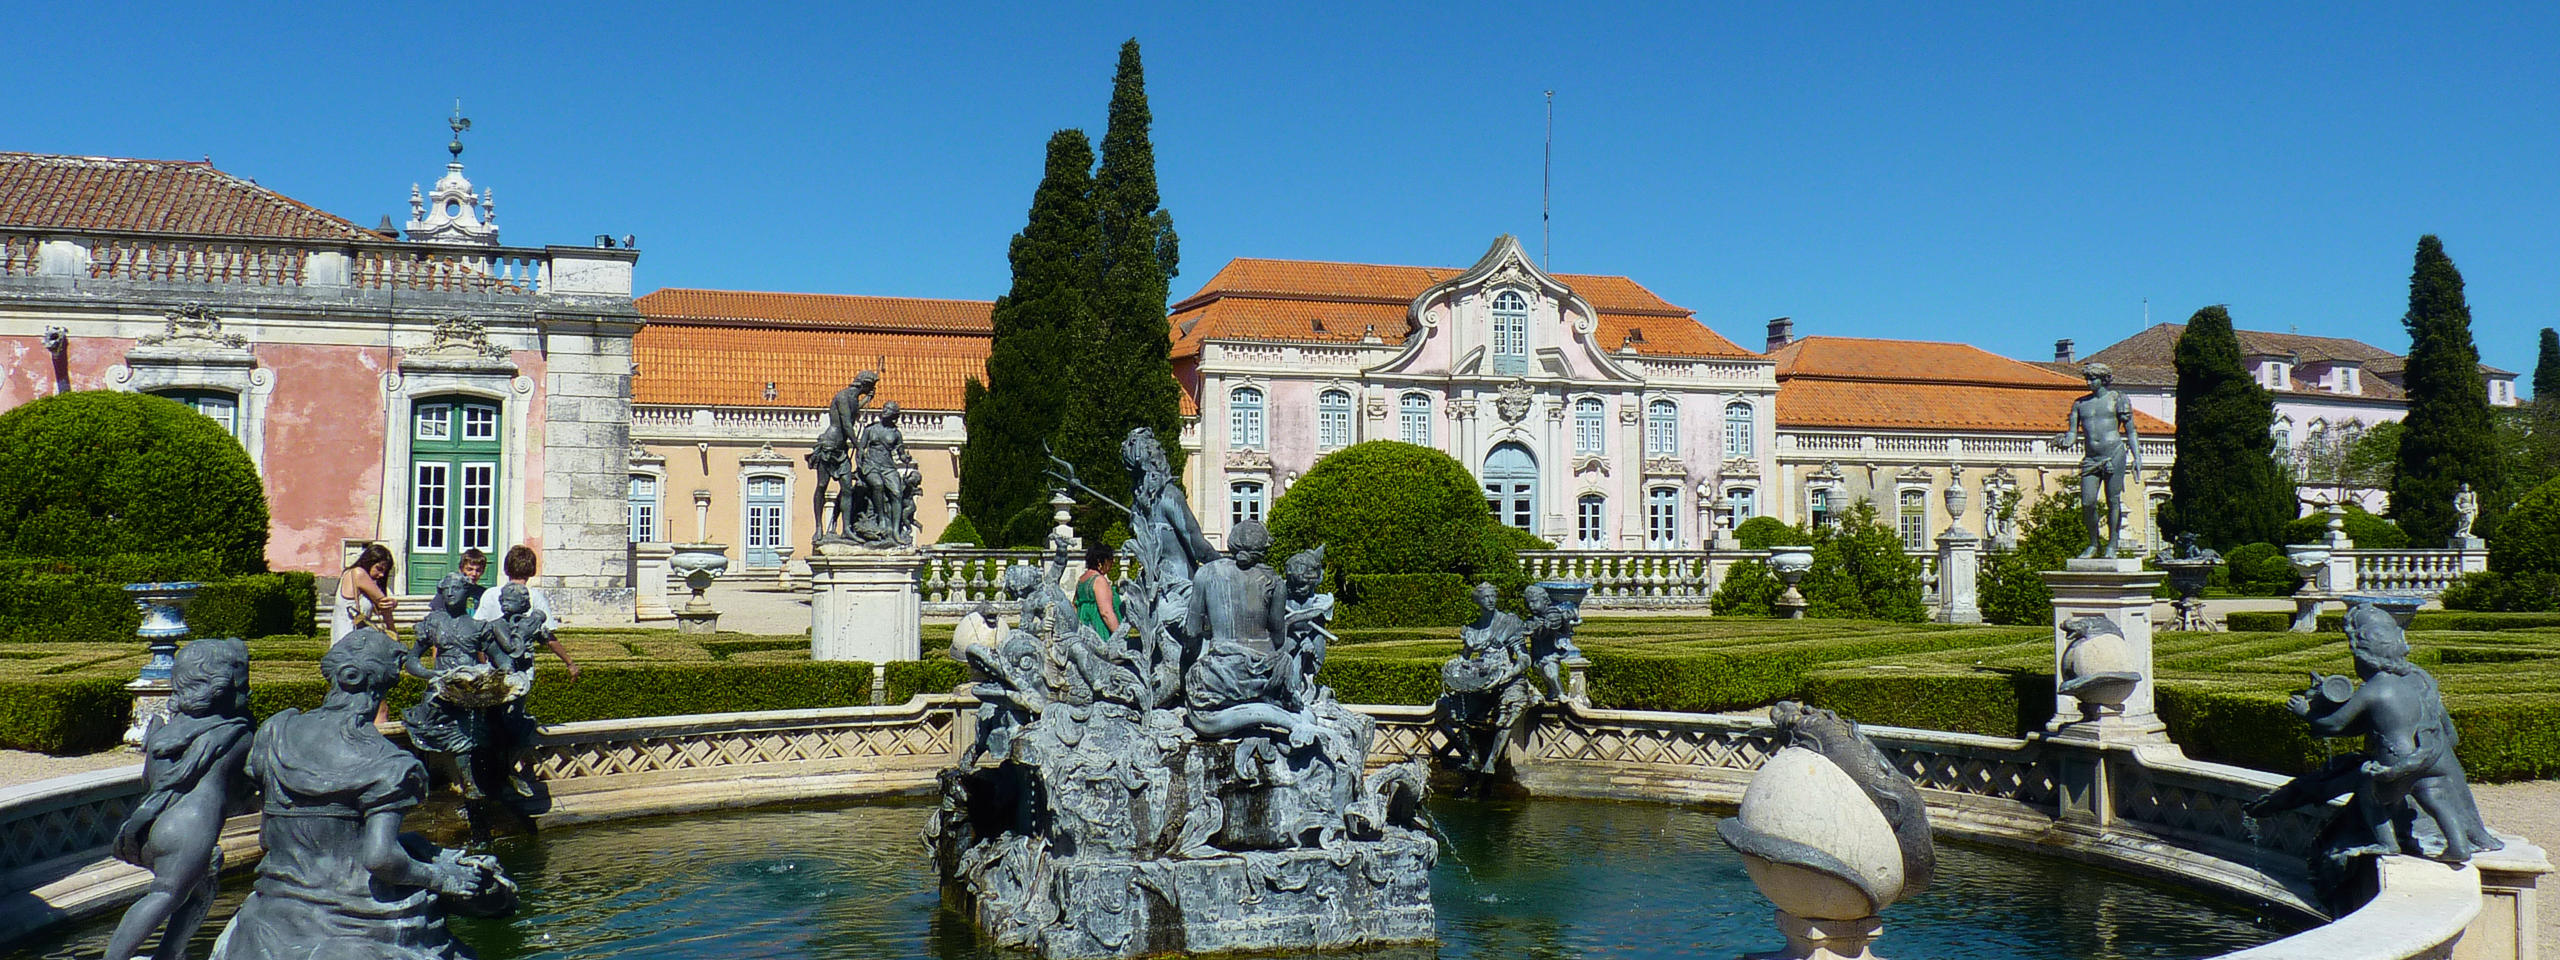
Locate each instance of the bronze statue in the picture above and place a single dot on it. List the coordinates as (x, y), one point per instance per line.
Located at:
(1485, 691)
(2101, 423)
(194, 760)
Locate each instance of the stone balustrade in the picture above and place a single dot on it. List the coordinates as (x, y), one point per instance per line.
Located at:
(2158, 814)
(332, 267)
(2426, 572)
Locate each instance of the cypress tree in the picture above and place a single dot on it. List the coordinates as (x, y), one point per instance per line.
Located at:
(1028, 363)
(1124, 375)
(2226, 487)
(2546, 368)
(2449, 441)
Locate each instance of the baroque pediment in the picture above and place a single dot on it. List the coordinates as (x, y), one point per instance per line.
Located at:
(193, 326)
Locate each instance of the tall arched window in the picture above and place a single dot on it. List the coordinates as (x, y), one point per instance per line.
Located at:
(643, 508)
(1661, 429)
(1590, 426)
(1738, 429)
(1244, 502)
(1588, 524)
(1333, 419)
(1414, 416)
(2284, 439)
(1244, 417)
(1662, 518)
(1511, 485)
(1915, 519)
(1510, 332)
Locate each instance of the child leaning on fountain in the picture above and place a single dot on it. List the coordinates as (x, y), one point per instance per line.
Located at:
(520, 565)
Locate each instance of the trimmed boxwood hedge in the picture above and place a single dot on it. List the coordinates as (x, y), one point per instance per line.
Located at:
(43, 607)
(1405, 600)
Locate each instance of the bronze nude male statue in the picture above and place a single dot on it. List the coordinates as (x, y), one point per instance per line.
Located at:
(2101, 423)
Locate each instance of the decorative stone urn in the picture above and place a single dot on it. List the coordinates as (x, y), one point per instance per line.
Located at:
(699, 564)
(1955, 497)
(1790, 564)
(164, 623)
(2309, 561)
(1577, 668)
(2187, 578)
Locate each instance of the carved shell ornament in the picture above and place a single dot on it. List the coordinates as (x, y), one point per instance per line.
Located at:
(196, 322)
(1513, 404)
(461, 335)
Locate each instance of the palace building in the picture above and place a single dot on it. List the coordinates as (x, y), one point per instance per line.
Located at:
(435, 393)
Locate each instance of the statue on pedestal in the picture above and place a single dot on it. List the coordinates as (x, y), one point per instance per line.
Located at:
(194, 760)
(2407, 790)
(867, 467)
(448, 725)
(339, 879)
(2466, 511)
(2101, 424)
(1485, 691)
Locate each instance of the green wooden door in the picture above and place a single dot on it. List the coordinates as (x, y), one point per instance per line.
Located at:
(454, 459)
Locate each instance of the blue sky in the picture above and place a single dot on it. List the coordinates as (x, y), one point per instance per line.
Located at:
(1996, 174)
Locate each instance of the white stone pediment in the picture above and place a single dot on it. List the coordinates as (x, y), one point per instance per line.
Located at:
(1451, 322)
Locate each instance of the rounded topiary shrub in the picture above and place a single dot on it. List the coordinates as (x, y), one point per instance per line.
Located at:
(1385, 507)
(960, 533)
(1761, 533)
(2368, 531)
(2528, 537)
(100, 473)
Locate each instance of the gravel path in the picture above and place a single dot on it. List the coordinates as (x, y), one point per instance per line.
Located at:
(2531, 808)
(19, 766)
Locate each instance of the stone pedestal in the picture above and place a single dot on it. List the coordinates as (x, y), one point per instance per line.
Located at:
(2118, 590)
(650, 583)
(864, 604)
(1828, 939)
(1959, 561)
(704, 623)
(2306, 612)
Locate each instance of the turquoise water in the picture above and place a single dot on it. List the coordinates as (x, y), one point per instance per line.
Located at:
(1522, 879)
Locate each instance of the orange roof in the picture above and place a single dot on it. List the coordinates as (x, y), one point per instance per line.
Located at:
(1312, 301)
(720, 348)
(816, 309)
(1855, 382)
(56, 192)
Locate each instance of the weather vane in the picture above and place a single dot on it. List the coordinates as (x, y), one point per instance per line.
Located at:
(459, 123)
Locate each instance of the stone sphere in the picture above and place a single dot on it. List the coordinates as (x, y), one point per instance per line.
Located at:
(2099, 655)
(1802, 796)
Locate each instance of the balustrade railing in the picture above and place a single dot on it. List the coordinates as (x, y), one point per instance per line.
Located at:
(2413, 571)
(187, 261)
(332, 265)
(1630, 578)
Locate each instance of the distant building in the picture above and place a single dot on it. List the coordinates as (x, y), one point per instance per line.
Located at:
(2328, 392)
(731, 394)
(1899, 422)
(1593, 413)
(436, 394)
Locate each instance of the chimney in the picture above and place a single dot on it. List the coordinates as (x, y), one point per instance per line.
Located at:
(2062, 350)
(1782, 331)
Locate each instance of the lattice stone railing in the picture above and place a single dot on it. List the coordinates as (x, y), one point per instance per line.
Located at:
(70, 817)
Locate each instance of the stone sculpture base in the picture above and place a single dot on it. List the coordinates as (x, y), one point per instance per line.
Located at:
(1363, 892)
(150, 705)
(1828, 939)
(1959, 562)
(704, 623)
(864, 604)
(2306, 613)
(2119, 590)
(649, 582)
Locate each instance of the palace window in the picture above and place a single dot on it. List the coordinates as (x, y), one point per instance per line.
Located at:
(1661, 429)
(1915, 519)
(1817, 506)
(2283, 447)
(1244, 418)
(1333, 419)
(1244, 502)
(765, 512)
(1738, 423)
(222, 406)
(1414, 416)
(1587, 523)
(1662, 518)
(1590, 421)
(643, 511)
(1510, 333)
(1746, 504)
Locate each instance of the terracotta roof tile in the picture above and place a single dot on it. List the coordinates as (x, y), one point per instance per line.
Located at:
(1861, 383)
(1313, 301)
(2150, 358)
(817, 309)
(729, 366)
(54, 192)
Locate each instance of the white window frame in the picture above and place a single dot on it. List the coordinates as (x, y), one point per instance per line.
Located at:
(1333, 418)
(1662, 518)
(439, 416)
(1746, 503)
(1661, 428)
(748, 502)
(1741, 423)
(1245, 407)
(486, 526)
(1591, 521)
(1413, 419)
(641, 508)
(1246, 500)
(1590, 426)
(420, 527)
(1510, 332)
(1911, 515)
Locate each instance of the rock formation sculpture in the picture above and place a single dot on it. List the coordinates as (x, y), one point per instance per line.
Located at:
(1831, 833)
(1182, 784)
(2407, 793)
(193, 759)
(339, 879)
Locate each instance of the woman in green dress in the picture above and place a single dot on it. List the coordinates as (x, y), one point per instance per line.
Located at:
(1094, 602)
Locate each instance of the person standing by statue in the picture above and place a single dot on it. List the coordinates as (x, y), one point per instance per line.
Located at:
(194, 761)
(2101, 424)
(1095, 604)
(339, 879)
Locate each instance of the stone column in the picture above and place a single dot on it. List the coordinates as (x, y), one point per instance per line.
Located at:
(2118, 590)
(653, 573)
(1959, 559)
(864, 604)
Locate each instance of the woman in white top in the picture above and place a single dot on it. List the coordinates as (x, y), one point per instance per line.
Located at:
(363, 597)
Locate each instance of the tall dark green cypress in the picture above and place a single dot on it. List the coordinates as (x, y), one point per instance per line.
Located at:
(1125, 372)
(2546, 369)
(2449, 440)
(2226, 487)
(1030, 358)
